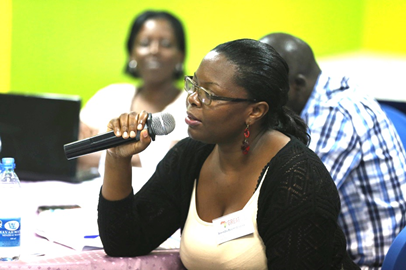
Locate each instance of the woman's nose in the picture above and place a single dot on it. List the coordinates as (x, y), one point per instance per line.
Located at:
(154, 48)
(193, 99)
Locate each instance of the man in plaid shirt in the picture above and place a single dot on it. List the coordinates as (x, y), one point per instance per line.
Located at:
(359, 146)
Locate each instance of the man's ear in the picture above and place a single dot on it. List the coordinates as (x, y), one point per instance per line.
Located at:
(300, 82)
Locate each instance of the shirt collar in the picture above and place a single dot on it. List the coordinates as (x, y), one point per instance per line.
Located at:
(324, 87)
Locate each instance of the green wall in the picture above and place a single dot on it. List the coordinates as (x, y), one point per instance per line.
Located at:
(385, 26)
(5, 44)
(77, 46)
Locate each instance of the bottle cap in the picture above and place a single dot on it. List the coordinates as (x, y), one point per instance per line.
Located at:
(8, 163)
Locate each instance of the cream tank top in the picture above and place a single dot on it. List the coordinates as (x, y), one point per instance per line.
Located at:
(199, 248)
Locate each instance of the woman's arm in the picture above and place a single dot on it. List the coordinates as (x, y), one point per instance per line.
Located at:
(132, 225)
(117, 181)
(139, 223)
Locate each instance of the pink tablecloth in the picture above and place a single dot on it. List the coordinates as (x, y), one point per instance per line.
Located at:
(45, 254)
(98, 260)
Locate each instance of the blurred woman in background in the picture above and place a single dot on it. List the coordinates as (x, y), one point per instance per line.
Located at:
(156, 49)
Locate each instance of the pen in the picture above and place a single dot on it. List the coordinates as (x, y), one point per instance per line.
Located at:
(91, 236)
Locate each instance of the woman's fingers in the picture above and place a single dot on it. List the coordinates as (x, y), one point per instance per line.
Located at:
(145, 140)
(114, 125)
(142, 120)
(124, 125)
(128, 125)
(132, 124)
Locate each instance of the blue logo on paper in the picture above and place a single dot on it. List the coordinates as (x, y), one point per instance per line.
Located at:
(12, 225)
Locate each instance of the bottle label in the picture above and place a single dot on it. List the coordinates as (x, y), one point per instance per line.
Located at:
(10, 232)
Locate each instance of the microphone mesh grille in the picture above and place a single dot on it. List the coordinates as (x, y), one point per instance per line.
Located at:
(162, 123)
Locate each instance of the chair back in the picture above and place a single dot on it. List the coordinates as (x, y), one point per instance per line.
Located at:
(398, 119)
(395, 259)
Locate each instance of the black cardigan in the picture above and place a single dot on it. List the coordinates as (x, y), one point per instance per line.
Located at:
(298, 206)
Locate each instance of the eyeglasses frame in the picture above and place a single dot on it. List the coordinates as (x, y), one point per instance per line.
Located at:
(211, 95)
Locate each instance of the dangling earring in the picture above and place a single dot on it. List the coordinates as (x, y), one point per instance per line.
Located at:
(132, 65)
(245, 147)
(179, 67)
(132, 68)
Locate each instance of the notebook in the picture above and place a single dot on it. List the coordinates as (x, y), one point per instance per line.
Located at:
(34, 129)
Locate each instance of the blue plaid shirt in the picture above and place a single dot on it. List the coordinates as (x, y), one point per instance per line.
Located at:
(363, 152)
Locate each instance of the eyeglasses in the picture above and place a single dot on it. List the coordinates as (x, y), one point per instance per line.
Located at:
(205, 96)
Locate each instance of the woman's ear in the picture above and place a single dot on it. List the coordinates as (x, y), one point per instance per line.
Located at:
(258, 110)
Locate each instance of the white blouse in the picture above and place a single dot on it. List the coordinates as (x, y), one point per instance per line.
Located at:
(199, 248)
(115, 99)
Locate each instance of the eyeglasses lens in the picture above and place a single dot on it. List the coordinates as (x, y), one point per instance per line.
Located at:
(202, 95)
(189, 86)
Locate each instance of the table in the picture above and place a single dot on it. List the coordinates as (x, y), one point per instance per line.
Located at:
(44, 254)
(98, 260)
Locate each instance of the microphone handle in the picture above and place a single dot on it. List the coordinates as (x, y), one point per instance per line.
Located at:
(102, 142)
(96, 143)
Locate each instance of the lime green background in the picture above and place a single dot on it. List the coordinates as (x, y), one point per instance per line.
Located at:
(77, 46)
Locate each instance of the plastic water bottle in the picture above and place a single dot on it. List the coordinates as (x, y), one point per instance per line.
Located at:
(10, 212)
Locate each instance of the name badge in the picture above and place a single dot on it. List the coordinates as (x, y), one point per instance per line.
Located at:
(233, 226)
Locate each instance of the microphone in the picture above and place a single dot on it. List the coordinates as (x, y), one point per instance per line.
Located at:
(157, 124)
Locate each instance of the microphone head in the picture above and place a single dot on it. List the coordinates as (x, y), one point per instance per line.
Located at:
(162, 123)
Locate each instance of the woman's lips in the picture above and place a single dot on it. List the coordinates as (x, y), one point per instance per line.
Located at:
(191, 120)
(152, 64)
